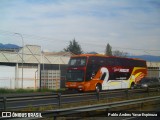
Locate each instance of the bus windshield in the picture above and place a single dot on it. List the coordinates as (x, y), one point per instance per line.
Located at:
(80, 61)
(75, 75)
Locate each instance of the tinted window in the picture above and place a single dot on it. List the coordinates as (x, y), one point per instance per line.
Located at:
(77, 61)
(94, 64)
(125, 62)
(109, 61)
(101, 61)
(155, 80)
(144, 80)
(92, 60)
(149, 80)
(75, 75)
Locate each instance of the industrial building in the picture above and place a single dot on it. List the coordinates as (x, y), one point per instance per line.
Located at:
(30, 67)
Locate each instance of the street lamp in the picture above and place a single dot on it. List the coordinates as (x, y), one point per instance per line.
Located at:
(22, 54)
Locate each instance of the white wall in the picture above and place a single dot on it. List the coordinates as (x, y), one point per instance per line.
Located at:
(29, 78)
(7, 76)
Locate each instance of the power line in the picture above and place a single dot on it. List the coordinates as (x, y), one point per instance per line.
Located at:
(84, 43)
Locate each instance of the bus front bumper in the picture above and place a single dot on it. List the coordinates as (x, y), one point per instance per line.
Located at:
(76, 86)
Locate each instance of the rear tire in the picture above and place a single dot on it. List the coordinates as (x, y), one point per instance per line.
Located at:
(132, 86)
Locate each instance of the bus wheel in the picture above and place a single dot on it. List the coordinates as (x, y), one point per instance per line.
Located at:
(98, 88)
(132, 86)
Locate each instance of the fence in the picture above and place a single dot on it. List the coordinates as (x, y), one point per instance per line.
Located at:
(37, 100)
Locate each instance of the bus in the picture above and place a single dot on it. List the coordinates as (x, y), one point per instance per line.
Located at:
(95, 72)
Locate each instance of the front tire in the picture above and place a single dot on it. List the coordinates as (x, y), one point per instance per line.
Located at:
(98, 88)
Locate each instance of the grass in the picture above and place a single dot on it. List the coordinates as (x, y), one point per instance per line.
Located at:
(92, 102)
(13, 91)
(51, 107)
(147, 106)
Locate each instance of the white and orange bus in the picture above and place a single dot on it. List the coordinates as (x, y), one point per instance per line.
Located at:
(95, 72)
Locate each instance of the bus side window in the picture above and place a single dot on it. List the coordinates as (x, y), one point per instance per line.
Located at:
(109, 62)
(102, 61)
(83, 61)
(91, 71)
(88, 72)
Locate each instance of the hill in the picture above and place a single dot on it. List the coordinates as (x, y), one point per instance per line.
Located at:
(149, 58)
(8, 46)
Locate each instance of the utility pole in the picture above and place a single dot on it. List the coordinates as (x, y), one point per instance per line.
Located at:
(22, 54)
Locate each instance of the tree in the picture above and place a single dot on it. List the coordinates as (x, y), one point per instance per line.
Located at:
(108, 50)
(74, 47)
(120, 53)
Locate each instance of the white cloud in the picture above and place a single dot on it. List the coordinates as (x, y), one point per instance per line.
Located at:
(93, 23)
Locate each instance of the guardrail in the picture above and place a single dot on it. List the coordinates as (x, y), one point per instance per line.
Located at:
(24, 101)
(107, 106)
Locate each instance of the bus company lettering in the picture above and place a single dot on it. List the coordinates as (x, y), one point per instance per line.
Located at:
(124, 70)
(116, 69)
(120, 70)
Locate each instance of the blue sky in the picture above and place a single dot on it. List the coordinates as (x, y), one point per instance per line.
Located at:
(127, 25)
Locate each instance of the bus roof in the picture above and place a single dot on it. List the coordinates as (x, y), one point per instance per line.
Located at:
(101, 55)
